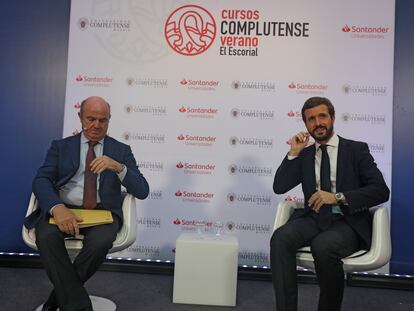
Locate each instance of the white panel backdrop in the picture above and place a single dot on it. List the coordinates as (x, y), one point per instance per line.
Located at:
(209, 129)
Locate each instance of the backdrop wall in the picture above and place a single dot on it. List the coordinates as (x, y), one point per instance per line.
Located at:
(33, 62)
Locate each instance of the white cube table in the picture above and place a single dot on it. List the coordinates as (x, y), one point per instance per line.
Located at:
(205, 270)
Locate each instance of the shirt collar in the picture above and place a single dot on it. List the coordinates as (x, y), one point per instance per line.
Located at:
(85, 140)
(333, 142)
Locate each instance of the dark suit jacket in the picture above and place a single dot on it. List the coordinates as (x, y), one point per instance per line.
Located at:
(62, 162)
(357, 177)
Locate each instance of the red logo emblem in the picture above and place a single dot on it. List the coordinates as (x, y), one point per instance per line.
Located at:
(79, 78)
(176, 222)
(178, 193)
(291, 114)
(181, 137)
(179, 165)
(183, 82)
(346, 28)
(190, 30)
(292, 86)
(77, 105)
(182, 109)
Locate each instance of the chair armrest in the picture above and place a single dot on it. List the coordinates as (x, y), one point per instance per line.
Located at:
(381, 236)
(284, 210)
(127, 234)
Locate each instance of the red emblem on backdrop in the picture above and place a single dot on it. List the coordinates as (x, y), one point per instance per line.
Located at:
(178, 193)
(190, 30)
(346, 28)
(179, 165)
(181, 137)
(182, 109)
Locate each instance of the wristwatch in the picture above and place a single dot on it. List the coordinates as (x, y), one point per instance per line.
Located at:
(340, 198)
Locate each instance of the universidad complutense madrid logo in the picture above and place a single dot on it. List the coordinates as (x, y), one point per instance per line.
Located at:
(190, 30)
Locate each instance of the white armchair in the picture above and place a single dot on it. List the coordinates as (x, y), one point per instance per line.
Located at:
(125, 237)
(365, 260)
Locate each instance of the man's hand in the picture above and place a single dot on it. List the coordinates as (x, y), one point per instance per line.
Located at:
(298, 143)
(100, 164)
(320, 198)
(66, 221)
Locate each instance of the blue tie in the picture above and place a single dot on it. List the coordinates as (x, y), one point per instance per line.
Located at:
(325, 213)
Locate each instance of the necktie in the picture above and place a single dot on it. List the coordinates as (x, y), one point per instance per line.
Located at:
(89, 185)
(325, 213)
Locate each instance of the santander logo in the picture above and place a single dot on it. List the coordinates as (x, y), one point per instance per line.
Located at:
(79, 78)
(190, 30)
(292, 85)
(178, 193)
(182, 109)
(365, 29)
(181, 137)
(179, 165)
(176, 221)
(183, 82)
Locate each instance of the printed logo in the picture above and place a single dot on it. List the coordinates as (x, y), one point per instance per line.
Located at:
(194, 196)
(263, 86)
(94, 81)
(376, 148)
(145, 137)
(117, 25)
(198, 112)
(252, 114)
(308, 88)
(152, 166)
(148, 82)
(155, 195)
(190, 30)
(364, 118)
(365, 32)
(147, 251)
(152, 110)
(250, 199)
(190, 225)
(149, 222)
(265, 143)
(195, 140)
(364, 90)
(249, 227)
(196, 168)
(254, 257)
(252, 170)
(200, 85)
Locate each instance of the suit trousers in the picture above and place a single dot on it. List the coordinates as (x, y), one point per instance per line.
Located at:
(328, 247)
(66, 276)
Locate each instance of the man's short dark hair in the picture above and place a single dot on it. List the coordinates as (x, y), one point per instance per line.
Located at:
(317, 101)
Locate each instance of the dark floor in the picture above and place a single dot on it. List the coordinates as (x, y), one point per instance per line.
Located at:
(23, 289)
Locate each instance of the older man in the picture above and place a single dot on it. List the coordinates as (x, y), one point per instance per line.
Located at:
(81, 171)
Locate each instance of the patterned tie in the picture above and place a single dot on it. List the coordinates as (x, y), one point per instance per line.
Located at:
(325, 213)
(89, 185)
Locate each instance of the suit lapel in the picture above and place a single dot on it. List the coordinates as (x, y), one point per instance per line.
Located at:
(75, 152)
(340, 164)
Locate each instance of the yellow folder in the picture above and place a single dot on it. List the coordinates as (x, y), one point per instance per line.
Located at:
(91, 217)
